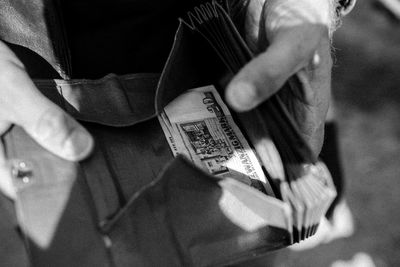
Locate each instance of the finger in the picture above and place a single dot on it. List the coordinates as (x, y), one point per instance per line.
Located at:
(4, 127)
(59, 133)
(6, 186)
(48, 124)
(291, 50)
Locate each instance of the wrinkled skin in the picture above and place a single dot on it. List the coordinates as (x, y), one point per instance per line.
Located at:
(289, 36)
(298, 33)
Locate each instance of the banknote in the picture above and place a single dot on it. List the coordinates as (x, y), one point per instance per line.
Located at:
(199, 125)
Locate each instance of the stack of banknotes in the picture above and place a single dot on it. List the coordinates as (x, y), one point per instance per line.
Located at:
(199, 125)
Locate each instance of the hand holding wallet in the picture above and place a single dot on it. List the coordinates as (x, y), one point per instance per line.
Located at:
(304, 183)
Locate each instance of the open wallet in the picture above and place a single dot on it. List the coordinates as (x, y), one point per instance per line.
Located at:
(297, 188)
(175, 178)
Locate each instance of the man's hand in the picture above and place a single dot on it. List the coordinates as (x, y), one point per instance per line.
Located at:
(22, 104)
(298, 35)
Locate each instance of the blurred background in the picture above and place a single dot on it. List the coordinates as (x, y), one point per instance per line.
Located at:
(366, 90)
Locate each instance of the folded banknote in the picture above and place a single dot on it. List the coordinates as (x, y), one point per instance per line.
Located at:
(198, 125)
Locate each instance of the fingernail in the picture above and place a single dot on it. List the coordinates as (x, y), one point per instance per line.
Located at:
(78, 145)
(242, 96)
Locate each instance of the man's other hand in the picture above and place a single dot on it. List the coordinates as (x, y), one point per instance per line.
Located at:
(22, 104)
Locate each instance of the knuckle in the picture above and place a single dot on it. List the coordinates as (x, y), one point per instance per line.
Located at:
(56, 118)
(9, 71)
(54, 122)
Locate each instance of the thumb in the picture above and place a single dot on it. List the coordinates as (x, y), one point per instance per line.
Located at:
(50, 126)
(6, 186)
(56, 131)
(290, 51)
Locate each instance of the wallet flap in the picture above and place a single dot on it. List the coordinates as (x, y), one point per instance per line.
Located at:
(113, 100)
(190, 64)
(207, 219)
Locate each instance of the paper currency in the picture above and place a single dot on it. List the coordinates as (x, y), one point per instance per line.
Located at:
(309, 194)
(199, 125)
